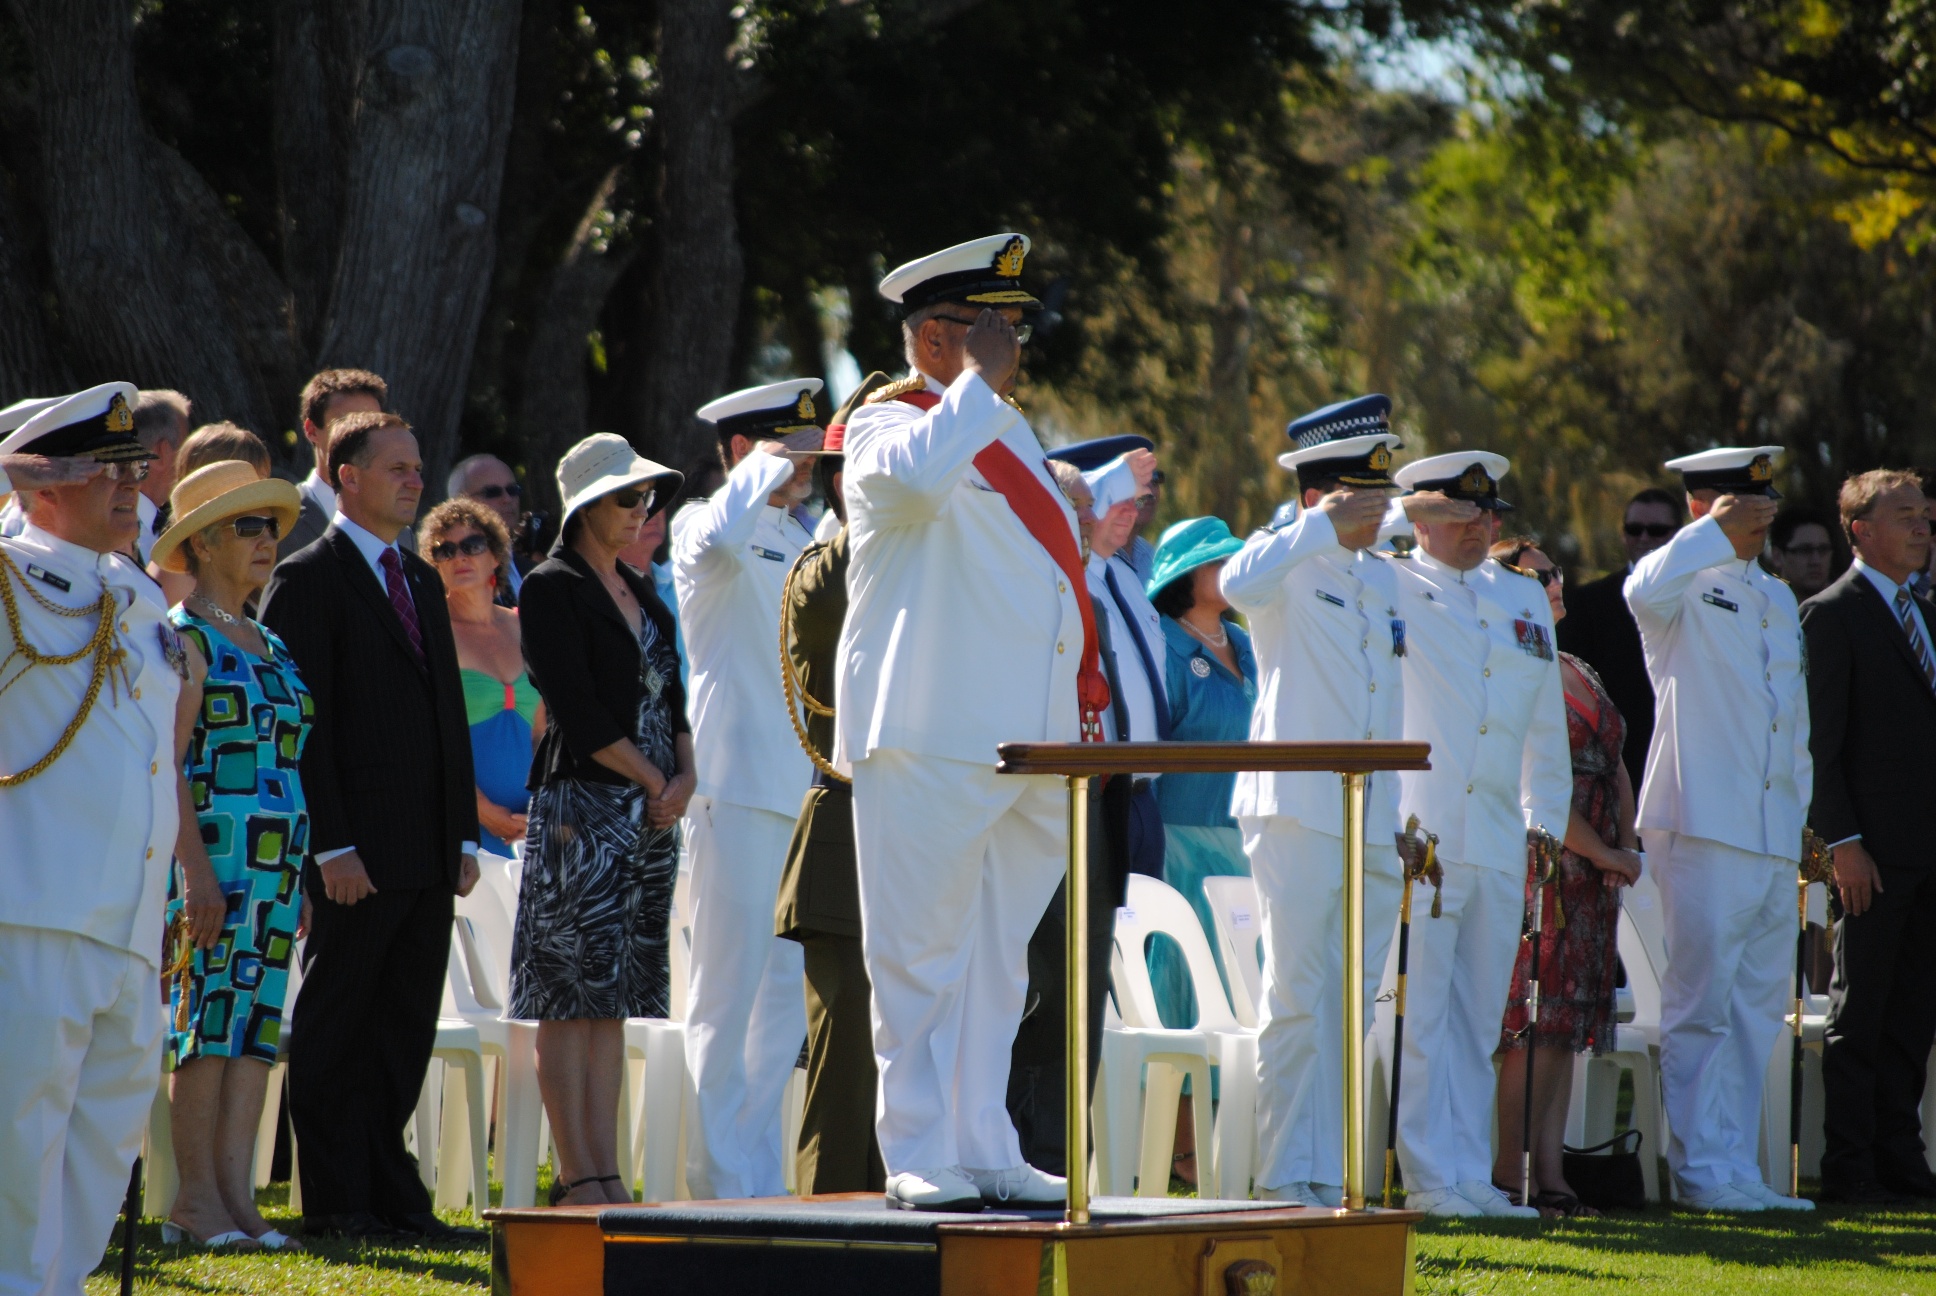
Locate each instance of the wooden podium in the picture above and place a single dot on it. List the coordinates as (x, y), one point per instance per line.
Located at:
(1152, 1246)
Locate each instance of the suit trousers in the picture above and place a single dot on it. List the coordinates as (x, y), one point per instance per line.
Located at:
(360, 1039)
(1456, 989)
(745, 1015)
(1881, 1021)
(957, 864)
(1300, 1077)
(82, 1025)
(838, 1151)
(1729, 918)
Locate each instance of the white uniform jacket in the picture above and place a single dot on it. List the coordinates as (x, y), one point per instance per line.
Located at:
(1729, 761)
(962, 632)
(730, 558)
(1328, 634)
(87, 842)
(1482, 685)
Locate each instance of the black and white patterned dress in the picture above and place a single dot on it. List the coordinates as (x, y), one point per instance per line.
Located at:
(596, 899)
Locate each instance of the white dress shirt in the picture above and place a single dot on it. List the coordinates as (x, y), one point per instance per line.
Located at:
(88, 840)
(145, 535)
(962, 632)
(1887, 588)
(321, 491)
(730, 559)
(1138, 688)
(1329, 637)
(1482, 685)
(1729, 761)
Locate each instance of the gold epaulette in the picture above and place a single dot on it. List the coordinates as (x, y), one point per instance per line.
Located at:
(897, 389)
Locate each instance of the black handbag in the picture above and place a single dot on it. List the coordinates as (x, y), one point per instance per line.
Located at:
(1607, 1175)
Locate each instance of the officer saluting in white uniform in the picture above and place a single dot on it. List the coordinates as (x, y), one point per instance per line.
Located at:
(1722, 808)
(90, 785)
(1329, 638)
(1482, 685)
(746, 1012)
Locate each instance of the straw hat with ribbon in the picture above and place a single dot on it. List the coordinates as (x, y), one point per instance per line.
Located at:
(605, 462)
(218, 493)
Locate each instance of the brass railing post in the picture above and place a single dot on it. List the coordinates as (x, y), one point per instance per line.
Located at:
(1354, 991)
(1076, 982)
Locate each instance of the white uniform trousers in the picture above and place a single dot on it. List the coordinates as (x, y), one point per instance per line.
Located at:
(82, 1025)
(746, 1013)
(1729, 916)
(957, 865)
(1300, 1071)
(1460, 976)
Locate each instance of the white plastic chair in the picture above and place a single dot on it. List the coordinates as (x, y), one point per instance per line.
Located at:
(445, 1142)
(656, 1113)
(1775, 1090)
(1218, 1040)
(473, 996)
(1238, 917)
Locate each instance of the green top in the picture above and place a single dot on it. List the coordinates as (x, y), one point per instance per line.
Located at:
(485, 696)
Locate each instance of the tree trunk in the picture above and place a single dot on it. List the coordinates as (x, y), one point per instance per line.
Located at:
(316, 68)
(138, 298)
(694, 288)
(426, 160)
(1225, 462)
(29, 365)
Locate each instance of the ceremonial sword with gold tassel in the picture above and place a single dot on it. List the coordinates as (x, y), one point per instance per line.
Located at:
(1546, 856)
(1816, 866)
(1427, 866)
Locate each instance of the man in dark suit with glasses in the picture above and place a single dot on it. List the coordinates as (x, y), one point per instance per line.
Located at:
(1599, 628)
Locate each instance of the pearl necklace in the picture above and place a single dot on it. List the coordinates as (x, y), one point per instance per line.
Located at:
(219, 614)
(1221, 641)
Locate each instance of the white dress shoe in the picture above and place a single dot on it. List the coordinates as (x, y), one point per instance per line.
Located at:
(1727, 1197)
(1022, 1187)
(1440, 1201)
(1490, 1201)
(946, 1189)
(1769, 1198)
(1291, 1194)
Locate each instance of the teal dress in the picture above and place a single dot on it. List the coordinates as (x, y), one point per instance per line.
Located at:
(242, 773)
(500, 717)
(1200, 839)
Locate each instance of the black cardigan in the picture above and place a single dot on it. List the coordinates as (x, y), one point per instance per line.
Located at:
(584, 660)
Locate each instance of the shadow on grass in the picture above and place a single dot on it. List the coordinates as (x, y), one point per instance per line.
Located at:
(154, 1259)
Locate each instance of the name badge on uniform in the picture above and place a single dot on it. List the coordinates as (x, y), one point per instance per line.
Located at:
(1398, 636)
(1332, 599)
(1714, 600)
(769, 553)
(46, 577)
(1533, 639)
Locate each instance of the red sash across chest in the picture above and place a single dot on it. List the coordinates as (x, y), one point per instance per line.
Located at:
(1041, 513)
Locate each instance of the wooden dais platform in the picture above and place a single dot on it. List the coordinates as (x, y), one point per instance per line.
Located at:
(847, 1243)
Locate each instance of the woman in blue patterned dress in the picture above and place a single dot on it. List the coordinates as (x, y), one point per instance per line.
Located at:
(240, 727)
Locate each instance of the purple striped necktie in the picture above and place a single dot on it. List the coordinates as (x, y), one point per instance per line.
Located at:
(1904, 614)
(400, 599)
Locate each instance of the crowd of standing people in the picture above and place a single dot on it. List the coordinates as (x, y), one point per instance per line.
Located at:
(247, 724)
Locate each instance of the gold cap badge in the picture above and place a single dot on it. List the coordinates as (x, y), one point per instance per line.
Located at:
(805, 406)
(1760, 470)
(119, 417)
(1474, 481)
(1008, 261)
(1381, 457)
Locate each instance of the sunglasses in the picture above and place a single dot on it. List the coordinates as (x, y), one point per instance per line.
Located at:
(1809, 551)
(628, 498)
(1023, 332)
(1655, 530)
(470, 546)
(1547, 576)
(513, 491)
(135, 471)
(248, 528)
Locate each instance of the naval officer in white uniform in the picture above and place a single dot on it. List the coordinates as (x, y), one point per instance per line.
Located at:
(746, 1014)
(1482, 685)
(90, 790)
(969, 625)
(1729, 777)
(1324, 622)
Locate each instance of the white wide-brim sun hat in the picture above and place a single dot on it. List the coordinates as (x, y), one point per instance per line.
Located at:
(605, 462)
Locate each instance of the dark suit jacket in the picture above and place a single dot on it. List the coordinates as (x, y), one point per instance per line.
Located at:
(1872, 719)
(388, 766)
(1599, 629)
(584, 659)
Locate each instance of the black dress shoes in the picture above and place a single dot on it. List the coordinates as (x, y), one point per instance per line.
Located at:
(1862, 1192)
(1916, 1182)
(425, 1229)
(356, 1226)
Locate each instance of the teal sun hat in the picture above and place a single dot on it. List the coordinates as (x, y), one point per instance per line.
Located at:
(1188, 545)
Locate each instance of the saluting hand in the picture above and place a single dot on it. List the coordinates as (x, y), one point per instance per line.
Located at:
(1436, 508)
(1142, 466)
(1355, 515)
(992, 350)
(1743, 516)
(38, 472)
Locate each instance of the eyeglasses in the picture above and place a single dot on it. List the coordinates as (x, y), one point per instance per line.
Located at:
(628, 498)
(1546, 575)
(1023, 332)
(470, 546)
(1809, 551)
(513, 491)
(1654, 530)
(135, 471)
(248, 528)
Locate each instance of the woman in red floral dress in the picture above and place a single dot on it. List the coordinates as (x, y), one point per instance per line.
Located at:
(1578, 957)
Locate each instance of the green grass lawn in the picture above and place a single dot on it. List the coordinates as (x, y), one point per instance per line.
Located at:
(1830, 1253)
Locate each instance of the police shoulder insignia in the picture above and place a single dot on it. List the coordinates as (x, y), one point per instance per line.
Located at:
(897, 389)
